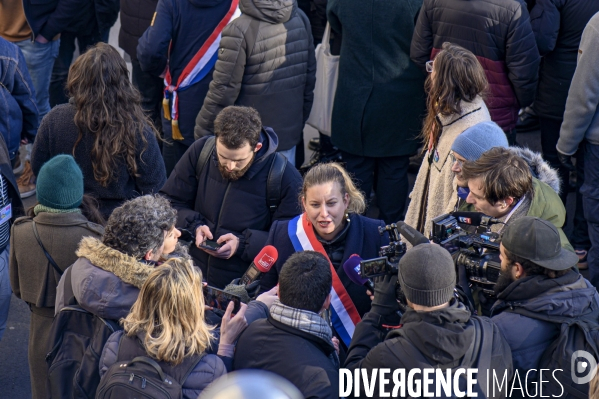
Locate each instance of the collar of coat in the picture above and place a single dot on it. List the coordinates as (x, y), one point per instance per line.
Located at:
(125, 267)
(467, 108)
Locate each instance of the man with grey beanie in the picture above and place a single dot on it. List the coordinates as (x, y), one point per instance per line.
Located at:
(436, 331)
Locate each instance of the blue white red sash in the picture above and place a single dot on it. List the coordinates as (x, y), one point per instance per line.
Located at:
(196, 69)
(344, 314)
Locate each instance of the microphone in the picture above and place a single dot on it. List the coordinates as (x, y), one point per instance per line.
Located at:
(352, 269)
(475, 218)
(261, 264)
(412, 235)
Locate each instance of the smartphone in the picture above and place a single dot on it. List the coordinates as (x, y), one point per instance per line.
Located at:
(211, 245)
(219, 299)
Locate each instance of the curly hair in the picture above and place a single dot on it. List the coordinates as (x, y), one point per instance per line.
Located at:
(109, 109)
(138, 226)
(235, 125)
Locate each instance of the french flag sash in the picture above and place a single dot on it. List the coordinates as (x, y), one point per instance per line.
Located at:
(344, 314)
(196, 70)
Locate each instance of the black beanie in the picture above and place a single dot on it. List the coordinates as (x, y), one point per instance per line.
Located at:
(427, 275)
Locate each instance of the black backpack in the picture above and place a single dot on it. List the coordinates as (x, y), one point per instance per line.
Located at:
(275, 174)
(478, 356)
(135, 375)
(75, 344)
(576, 334)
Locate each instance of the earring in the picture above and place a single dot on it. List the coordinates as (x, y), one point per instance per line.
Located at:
(347, 216)
(504, 204)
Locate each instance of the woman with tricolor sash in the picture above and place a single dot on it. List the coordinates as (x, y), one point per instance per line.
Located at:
(332, 225)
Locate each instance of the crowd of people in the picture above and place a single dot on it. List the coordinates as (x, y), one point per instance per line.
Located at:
(153, 188)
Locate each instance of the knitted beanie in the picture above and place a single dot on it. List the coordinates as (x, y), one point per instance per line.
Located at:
(60, 183)
(477, 139)
(427, 275)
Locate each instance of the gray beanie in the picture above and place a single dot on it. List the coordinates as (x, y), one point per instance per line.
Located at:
(427, 275)
(477, 139)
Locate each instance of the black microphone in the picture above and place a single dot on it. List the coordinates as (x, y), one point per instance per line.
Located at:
(475, 218)
(261, 264)
(351, 267)
(412, 235)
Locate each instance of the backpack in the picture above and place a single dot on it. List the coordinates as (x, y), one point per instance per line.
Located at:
(275, 174)
(576, 334)
(75, 343)
(478, 356)
(135, 375)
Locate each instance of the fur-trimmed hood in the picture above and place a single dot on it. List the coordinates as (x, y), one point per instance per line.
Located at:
(539, 167)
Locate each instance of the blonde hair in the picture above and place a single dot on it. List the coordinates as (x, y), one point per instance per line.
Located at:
(333, 172)
(594, 387)
(170, 311)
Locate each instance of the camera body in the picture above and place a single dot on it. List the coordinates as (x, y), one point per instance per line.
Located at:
(477, 252)
(389, 255)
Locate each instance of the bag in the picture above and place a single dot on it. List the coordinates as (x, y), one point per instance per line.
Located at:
(75, 344)
(273, 183)
(327, 71)
(135, 375)
(478, 356)
(575, 334)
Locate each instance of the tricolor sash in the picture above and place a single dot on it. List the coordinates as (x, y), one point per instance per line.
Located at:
(196, 70)
(344, 314)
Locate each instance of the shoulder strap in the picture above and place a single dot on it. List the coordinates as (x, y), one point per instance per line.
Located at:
(251, 34)
(542, 316)
(69, 296)
(39, 241)
(274, 182)
(205, 154)
(484, 354)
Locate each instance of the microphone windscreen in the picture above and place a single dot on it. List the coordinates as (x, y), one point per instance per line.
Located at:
(350, 266)
(266, 258)
(412, 235)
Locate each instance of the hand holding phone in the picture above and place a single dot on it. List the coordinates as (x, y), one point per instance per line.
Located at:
(202, 234)
(210, 245)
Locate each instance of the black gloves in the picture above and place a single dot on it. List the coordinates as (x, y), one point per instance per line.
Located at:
(566, 161)
(384, 302)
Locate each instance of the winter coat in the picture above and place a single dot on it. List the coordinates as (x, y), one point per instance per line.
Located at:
(363, 238)
(442, 190)
(179, 30)
(17, 98)
(499, 34)
(237, 207)
(276, 76)
(51, 17)
(581, 118)
(299, 357)
(380, 101)
(34, 280)
(442, 337)
(546, 203)
(316, 10)
(568, 296)
(58, 134)
(558, 27)
(136, 17)
(206, 371)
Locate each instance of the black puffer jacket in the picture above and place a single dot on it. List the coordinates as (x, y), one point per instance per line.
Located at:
(558, 26)
(136, 16)
(276, 76)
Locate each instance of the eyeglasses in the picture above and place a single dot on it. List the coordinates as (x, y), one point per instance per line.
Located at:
(429, 66)
(454, 159)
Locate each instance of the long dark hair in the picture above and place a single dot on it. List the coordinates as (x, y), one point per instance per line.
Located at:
(89, 209)
(458, 77)
(108, 108)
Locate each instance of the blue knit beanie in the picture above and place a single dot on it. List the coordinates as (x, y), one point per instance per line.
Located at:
(60, 183)
(477, 139)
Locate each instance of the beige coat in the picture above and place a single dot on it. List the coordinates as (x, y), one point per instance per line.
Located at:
(442, 190)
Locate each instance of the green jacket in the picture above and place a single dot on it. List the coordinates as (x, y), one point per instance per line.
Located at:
(546, 205)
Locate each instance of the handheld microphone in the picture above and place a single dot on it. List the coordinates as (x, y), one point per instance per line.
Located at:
(475, 218)
(412, 235)
(352, 269)
(261, 264)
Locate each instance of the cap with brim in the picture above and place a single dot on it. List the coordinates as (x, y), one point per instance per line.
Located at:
(538, 241)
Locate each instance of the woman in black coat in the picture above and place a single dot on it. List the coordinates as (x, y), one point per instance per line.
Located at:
(105, 129)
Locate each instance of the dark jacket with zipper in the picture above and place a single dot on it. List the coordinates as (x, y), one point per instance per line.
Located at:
(300, 357)
(276, 76)
(136, 17)
(237, 207)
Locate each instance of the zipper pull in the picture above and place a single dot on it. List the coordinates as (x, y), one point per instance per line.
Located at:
(131, 378)
(143, 383)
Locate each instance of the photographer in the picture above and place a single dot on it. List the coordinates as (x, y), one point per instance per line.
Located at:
(436, 331)
(502, 186)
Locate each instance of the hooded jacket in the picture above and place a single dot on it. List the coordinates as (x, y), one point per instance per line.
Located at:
(568, 296)
(276, 76)
(443, 337)
(178, 31)
(237, 207)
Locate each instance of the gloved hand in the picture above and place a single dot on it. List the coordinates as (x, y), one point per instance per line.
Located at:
(384, 302)
(251, 289)
(566, 160)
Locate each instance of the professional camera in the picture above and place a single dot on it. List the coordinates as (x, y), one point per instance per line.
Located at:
(477, 250)
(389, 254)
